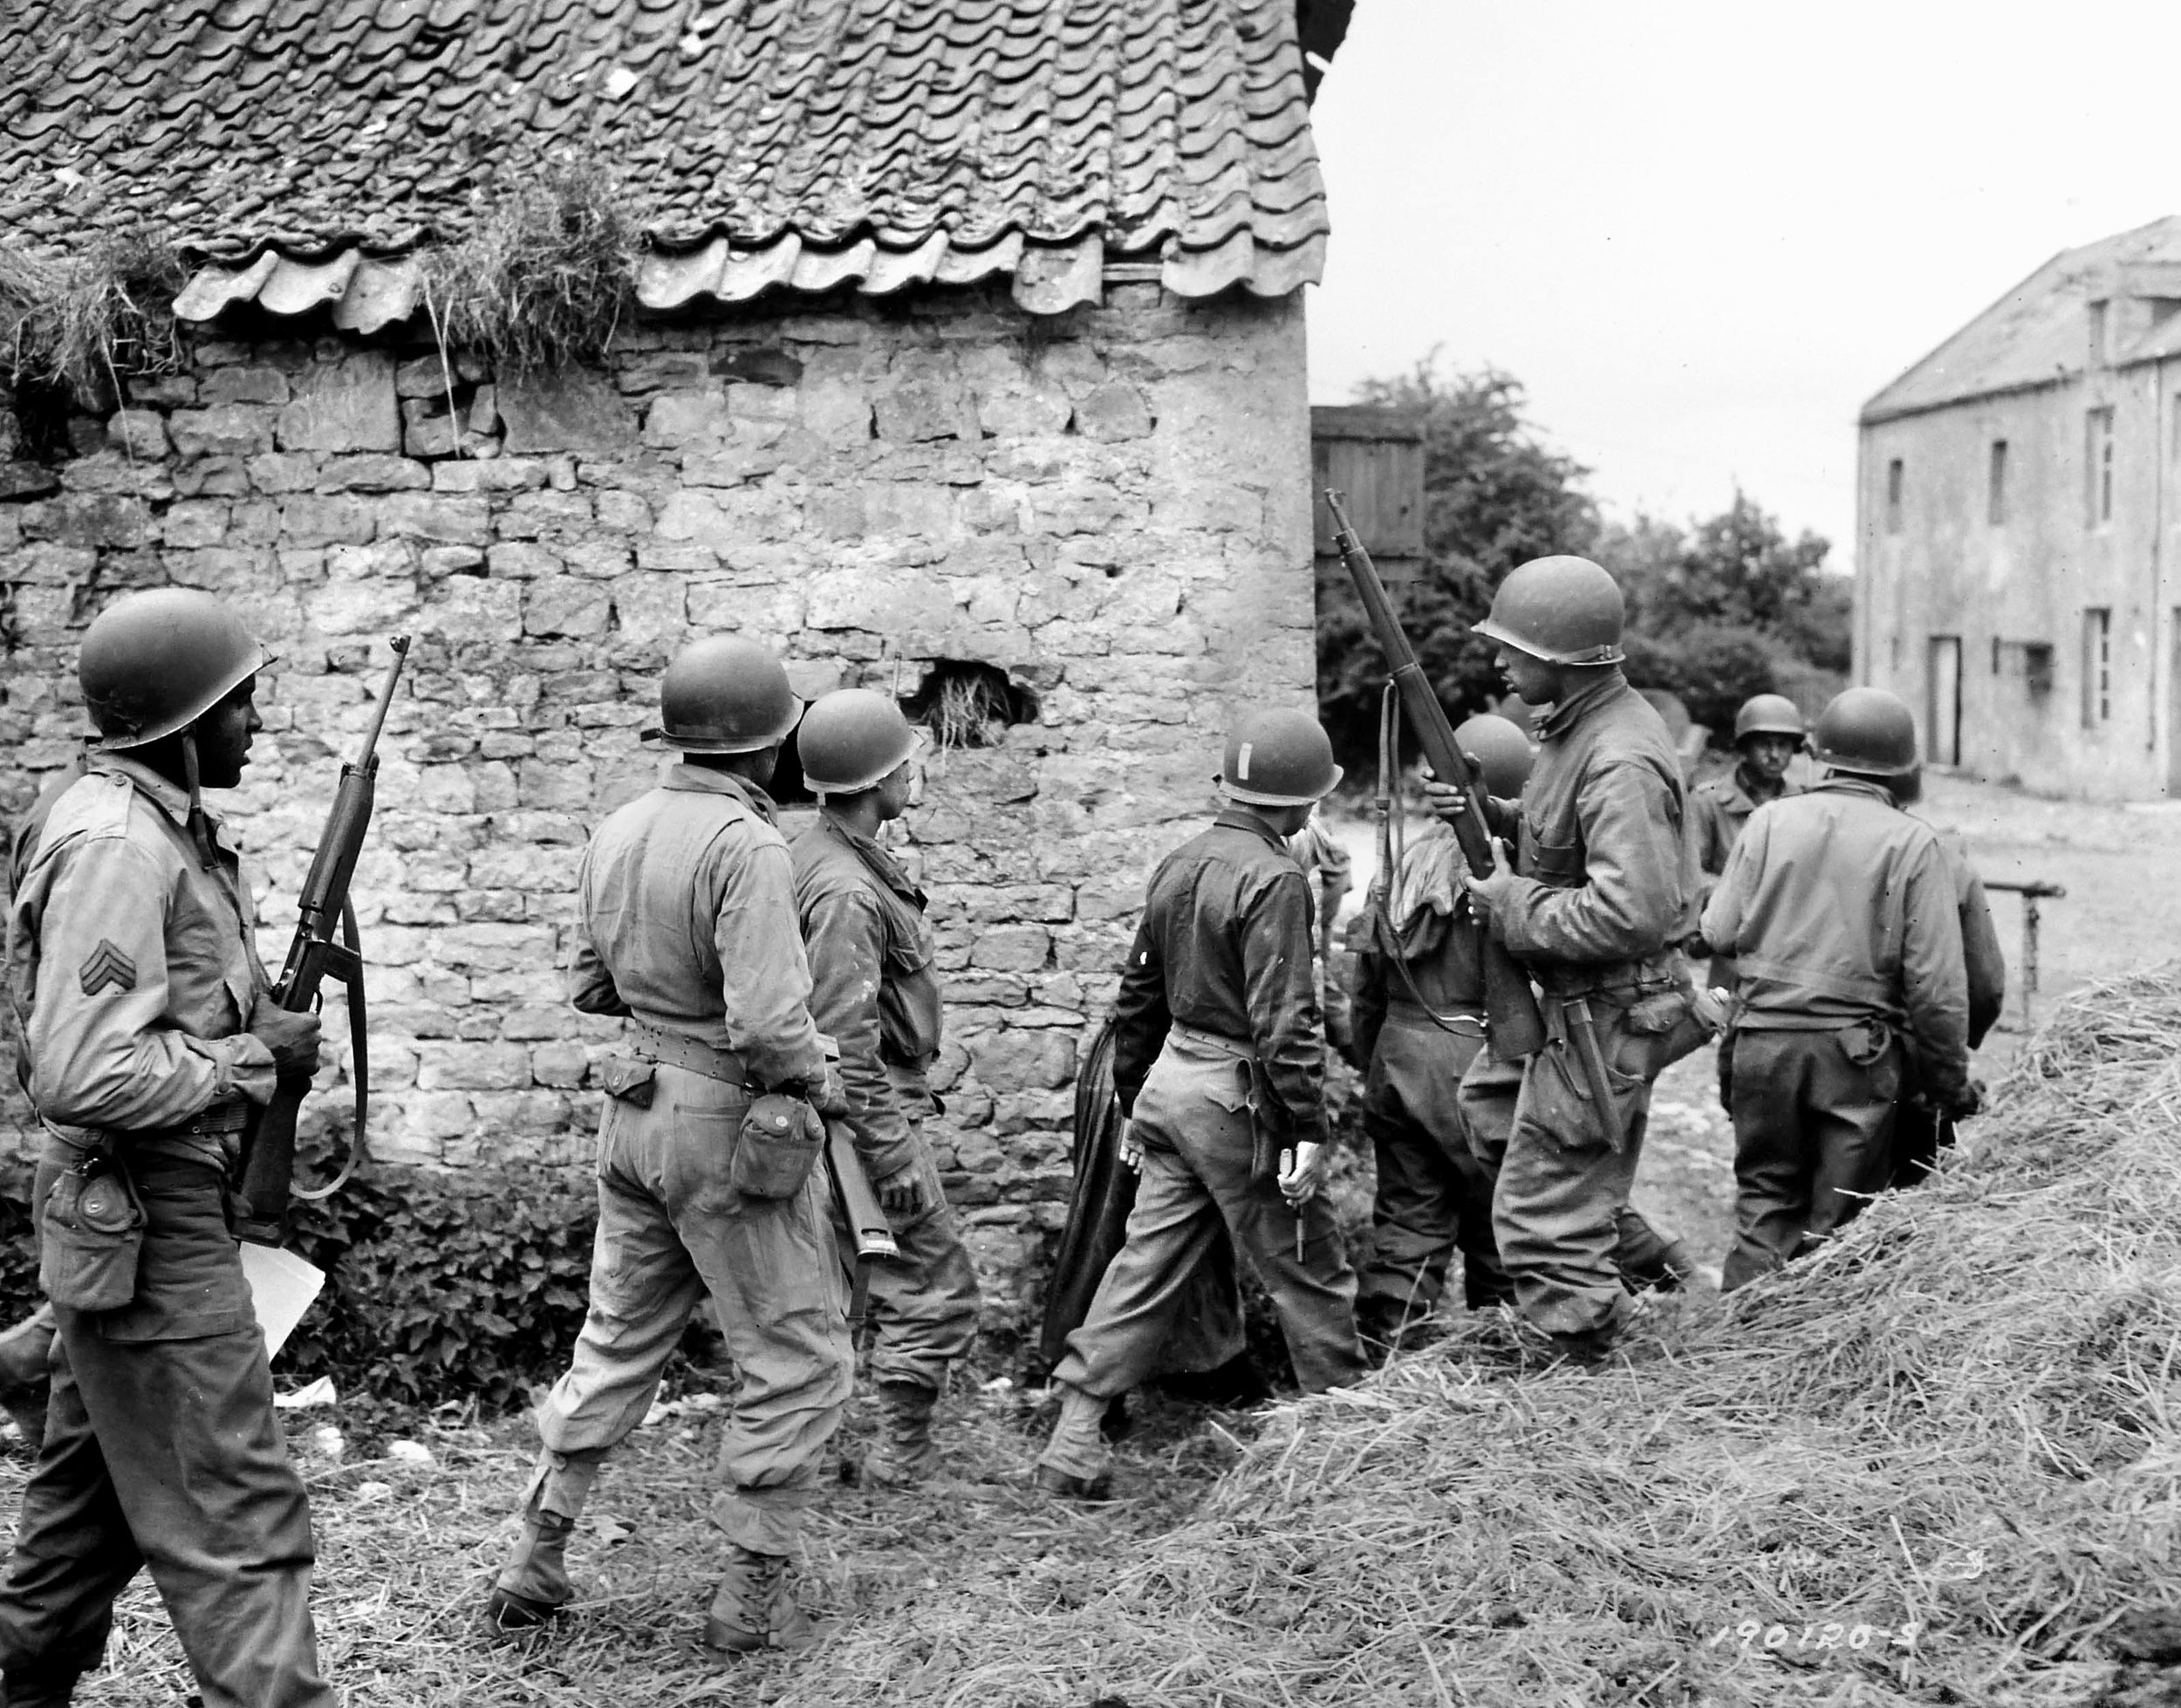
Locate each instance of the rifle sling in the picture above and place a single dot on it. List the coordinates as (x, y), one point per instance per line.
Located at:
(359, 1070)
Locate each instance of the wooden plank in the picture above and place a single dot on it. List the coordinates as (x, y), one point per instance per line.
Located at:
(1366, 420)
(1383, 480)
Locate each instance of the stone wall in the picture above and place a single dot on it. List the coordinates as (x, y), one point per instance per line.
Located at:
(1109, 509)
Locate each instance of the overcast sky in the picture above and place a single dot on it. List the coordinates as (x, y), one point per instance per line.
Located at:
(1702, 235)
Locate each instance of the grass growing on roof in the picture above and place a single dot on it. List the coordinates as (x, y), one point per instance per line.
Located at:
(542, 275)
(84, 321)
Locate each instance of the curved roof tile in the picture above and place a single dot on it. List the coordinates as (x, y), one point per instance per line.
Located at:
(792, 144)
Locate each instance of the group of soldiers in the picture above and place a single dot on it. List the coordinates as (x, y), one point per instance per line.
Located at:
(770, 987)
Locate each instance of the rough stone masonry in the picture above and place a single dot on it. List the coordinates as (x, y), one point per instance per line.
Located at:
(1097, 526)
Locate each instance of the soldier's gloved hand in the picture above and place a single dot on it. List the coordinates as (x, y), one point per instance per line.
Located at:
(829, 1096)
(902, 1192)
(293, 1039)
(1301, 1171)
(1485, 893)
(1132, 1148)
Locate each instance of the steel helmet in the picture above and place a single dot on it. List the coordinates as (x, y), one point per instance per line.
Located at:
(852, 738)
(155, 662)
(1769, 714)
(1279, 758)
(725, 695)
(1867, 730)
(1501, 748)
(1564, 610)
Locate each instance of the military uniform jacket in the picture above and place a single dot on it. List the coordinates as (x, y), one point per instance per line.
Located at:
(874, 991)
(1718, 807)
(689, 925)
(1225, 946)
(1601, 889)
(132, 968)
(1840, 908)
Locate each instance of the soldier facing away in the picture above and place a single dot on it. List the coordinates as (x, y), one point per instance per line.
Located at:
(875, 993)
(1843, 914)
(1219, 1064)
(708, 1152)
(1420, 1021)
(1591, 906)
(150, 1033)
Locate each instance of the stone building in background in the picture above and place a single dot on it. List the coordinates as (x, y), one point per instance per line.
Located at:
(2020, 490)
(964, 359)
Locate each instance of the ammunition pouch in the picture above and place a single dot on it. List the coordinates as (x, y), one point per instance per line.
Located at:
(90, 1235)
(629, 1081)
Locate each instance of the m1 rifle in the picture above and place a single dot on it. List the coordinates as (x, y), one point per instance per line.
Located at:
(1514, 1026)
(269, 1143)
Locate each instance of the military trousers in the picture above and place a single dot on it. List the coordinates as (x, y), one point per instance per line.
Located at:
(163, 1451)
(1434, 1195)
(923, 1306)
(1561, 1187)
(1814, 1115)
(1192, 1117)
(671, 1228)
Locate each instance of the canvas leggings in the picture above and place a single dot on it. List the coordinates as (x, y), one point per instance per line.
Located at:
(923, 1306)
(1194, 1119)
(671, 1230)
(1433, 1196)
(1813, 1114)
(163, 1451)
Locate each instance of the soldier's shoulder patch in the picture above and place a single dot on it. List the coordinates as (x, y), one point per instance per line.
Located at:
(104, 966)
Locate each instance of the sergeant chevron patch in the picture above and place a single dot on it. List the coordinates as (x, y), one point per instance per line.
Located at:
(104, 966)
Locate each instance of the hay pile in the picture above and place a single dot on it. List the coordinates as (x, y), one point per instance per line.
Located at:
(1963, 1415)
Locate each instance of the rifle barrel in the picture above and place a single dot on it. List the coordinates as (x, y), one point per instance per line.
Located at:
(401, 646)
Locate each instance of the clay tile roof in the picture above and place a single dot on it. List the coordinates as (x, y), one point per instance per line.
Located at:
(802, 143)
(2038, 332)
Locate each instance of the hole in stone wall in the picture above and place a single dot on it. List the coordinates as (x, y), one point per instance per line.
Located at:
(41, 420)
(963, 704)
(786, 787)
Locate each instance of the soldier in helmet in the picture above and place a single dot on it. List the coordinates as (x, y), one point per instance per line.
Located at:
(1218, 1064)
(1768, 733)
(1843, 914)
(1590, 906)
(706, 1152)
(877, 995)
(144, 1013)
(1419, 1021)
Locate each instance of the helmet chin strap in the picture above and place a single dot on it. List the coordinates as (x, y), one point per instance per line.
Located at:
(200, 826)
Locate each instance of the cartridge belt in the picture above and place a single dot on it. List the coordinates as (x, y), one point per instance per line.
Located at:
(676, 1049)
(1240, 1047)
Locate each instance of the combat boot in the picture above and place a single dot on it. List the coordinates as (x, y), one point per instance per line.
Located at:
(754, 1607)
(1077, 1461)
(533, 1588)
(906, 1454)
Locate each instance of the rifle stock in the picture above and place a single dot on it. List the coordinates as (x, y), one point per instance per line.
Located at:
(1514, 1025)
(314, 956)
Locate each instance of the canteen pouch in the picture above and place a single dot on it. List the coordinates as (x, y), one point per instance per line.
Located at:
(778, 1148)
(91, 1236)
(1661, 1030)
(629, 1081)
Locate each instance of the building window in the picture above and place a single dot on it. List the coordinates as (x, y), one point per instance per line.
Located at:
(1995, 497)
(2098, 319)
(1893, 482)
(2098, 459)
(2097, 667)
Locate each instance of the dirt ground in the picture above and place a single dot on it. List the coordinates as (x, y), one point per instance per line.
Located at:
(2121, 866)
